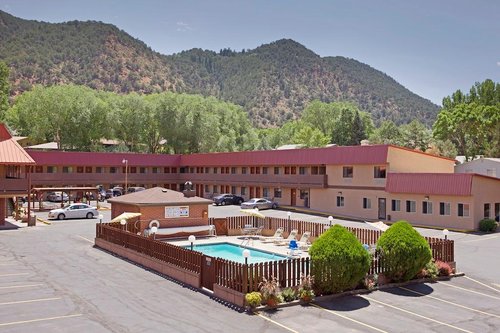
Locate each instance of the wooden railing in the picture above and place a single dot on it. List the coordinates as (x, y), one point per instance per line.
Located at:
(175, 255)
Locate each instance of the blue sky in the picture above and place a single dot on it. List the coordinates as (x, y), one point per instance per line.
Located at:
(431, 47)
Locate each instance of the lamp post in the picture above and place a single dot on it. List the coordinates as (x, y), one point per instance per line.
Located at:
(153, 231)
(125, 161)
(446, 232)
(100, 218)
(289, 215)
(330, 220)
(123, 222)
(191, 239)
(246, 255)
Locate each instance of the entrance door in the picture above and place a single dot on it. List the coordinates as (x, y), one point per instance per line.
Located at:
(381, 208)
(207, 272)
(257, 192)
(293, 197)
(251, 192)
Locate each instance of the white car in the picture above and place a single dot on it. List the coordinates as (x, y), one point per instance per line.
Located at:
(74, 211)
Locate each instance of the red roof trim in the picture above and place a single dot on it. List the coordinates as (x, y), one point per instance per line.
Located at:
(430, 183)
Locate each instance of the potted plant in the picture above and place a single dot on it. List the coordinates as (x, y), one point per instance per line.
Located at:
(270, 291)
(253, 300)
(306, 293)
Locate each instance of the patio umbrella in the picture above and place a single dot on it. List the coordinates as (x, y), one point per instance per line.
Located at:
(378, 225)
(125, 216)
(253, 212)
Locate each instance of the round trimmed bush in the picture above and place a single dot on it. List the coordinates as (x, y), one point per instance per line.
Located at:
(488, 225)
(404, 252)
(339, 261)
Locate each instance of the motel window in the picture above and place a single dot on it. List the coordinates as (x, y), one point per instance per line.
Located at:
(252, 170)
(264, 170)
(227, 169)
(206, 189)
(340, 201)
(88, 169)
(222, 170)
(13, 171)
(497, 209)
(216, 189)
(79, 169)
(174, 170)
(293, 170)
(233, 170)
(243, 190)
(379, 172)
(367, 203)
(491, 172)
(411, 206)
(51, 169)
(98, 169)
(265, 192)
(314, 170)
(142, 170)
(257, 170)
(191, 170)
(302, 170)
(39, 169)
(463, 210)
(276, 170)
(322, 170)
(154, 170)
(183, 170)
(112, 170)
(277, 193)
(427, 207)
(67, 169)
(487, 210)
(233, 189)
(303, 194)
(287, 170)
(347, 172)
(244, 170)
(132, 170)
(166, 170)
(207, 170)
(396, 205)
(444, 208)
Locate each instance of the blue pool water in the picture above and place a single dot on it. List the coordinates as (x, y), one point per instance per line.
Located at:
(234, 253)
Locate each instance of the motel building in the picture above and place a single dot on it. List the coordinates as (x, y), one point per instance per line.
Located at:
(367, 182)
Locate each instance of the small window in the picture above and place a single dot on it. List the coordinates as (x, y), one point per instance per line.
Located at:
(287, 170)
(379, 172)
(227, 169)
(427, 207)
(79, 169)
(166, 170)
(98, 169)
(133, 169)
(265, 192)
(497, 209)
(277, 193)
(244, 171)
(222, 170)
(191, 170)
(216, 189)
(233, 189)
(174, 170)
(233, 170)
(142, 170)
(303, 194)
(396, 205)
(257, 170)
(411, 206)
(302, 170)
(486, 210)
(340, 201)
(39, 169)
(367, 203)
(67, 169)
(276, 170)
(154, 170)
(314, 170)
(243, 190)
(112, 169)
(347, 172)
(463, 210)
(491, 172)
(206, 189)
(264, 170)
(252, 170)
(322, 170)
(53, 169)
(293, 170)
(88, 169)
(444, 208)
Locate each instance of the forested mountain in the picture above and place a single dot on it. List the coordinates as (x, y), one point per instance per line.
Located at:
(273, 82)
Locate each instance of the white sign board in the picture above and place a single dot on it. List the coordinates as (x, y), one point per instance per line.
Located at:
(176, 212)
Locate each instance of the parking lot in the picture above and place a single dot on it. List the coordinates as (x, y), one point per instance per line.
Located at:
(52, 279)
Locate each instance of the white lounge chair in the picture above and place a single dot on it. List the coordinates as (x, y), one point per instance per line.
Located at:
(285, 241)
(304, 243)
(278, 235)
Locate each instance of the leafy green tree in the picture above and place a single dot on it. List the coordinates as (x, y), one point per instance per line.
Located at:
(415, 135)
(4, 89)
(310, 137)
(387, 133)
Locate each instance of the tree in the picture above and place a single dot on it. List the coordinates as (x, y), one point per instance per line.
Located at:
(4, 89)
(310, 137)
(415, 135)
(387, 133)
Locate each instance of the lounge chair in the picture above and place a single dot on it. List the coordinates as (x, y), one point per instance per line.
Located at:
(292, 235)
(304, 243)
(278, 235)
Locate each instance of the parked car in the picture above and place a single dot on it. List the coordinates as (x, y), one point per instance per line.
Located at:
(57, 196)
(111, 193)
(259, 203)
(135, 189)
(227, 199)
(74, 211)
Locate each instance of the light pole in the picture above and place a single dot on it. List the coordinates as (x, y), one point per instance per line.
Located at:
(123, 222)
(289, 215)
(100, 218)
(246, 255)
(125, 161)
(446, 232)
(330, 220)
(191, 239)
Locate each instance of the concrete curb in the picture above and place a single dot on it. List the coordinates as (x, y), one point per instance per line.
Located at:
(43, 221)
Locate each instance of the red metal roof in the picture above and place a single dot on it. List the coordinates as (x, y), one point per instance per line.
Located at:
(430, 183)
(158, 196)
(13, 153)
(373, 154)
(102, 159)
(4, 132)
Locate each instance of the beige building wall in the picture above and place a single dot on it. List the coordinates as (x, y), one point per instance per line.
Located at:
(402, 160)
(485, 190)
(363, 175)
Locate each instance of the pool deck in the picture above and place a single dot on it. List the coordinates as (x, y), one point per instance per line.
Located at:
(250, 242)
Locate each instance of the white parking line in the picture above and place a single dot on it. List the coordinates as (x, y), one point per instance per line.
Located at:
(483, 284)
(22, 286)
(416, 314)
(88, 240)
(276, 323)
(471, 291)
(14, 274)
(452, 303)
(350, 319)
(31, 301)
(39, 319)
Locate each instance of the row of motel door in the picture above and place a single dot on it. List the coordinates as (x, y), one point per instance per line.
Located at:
(254, 192)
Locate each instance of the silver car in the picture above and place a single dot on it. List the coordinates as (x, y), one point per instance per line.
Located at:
(259, 203)
(74, 211)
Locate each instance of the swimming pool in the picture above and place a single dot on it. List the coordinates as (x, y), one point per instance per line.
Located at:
(234, 253)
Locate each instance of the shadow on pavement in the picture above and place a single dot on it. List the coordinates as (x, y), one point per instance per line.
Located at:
(8, 226)
(346, 303)
(421, 288)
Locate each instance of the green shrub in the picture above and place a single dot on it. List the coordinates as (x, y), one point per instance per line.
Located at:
(488, 225)
(289, 294)
(339, 261)
(404, 252)
(253, 299)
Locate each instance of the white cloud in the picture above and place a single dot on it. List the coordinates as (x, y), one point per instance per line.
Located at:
(181, 26)
(498, 63)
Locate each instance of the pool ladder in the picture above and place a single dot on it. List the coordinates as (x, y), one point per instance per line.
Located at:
(246, 242)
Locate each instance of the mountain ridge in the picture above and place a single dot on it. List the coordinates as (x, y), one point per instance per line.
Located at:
(272, 82)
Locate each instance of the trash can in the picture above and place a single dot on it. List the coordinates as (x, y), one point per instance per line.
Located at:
(32, 221)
